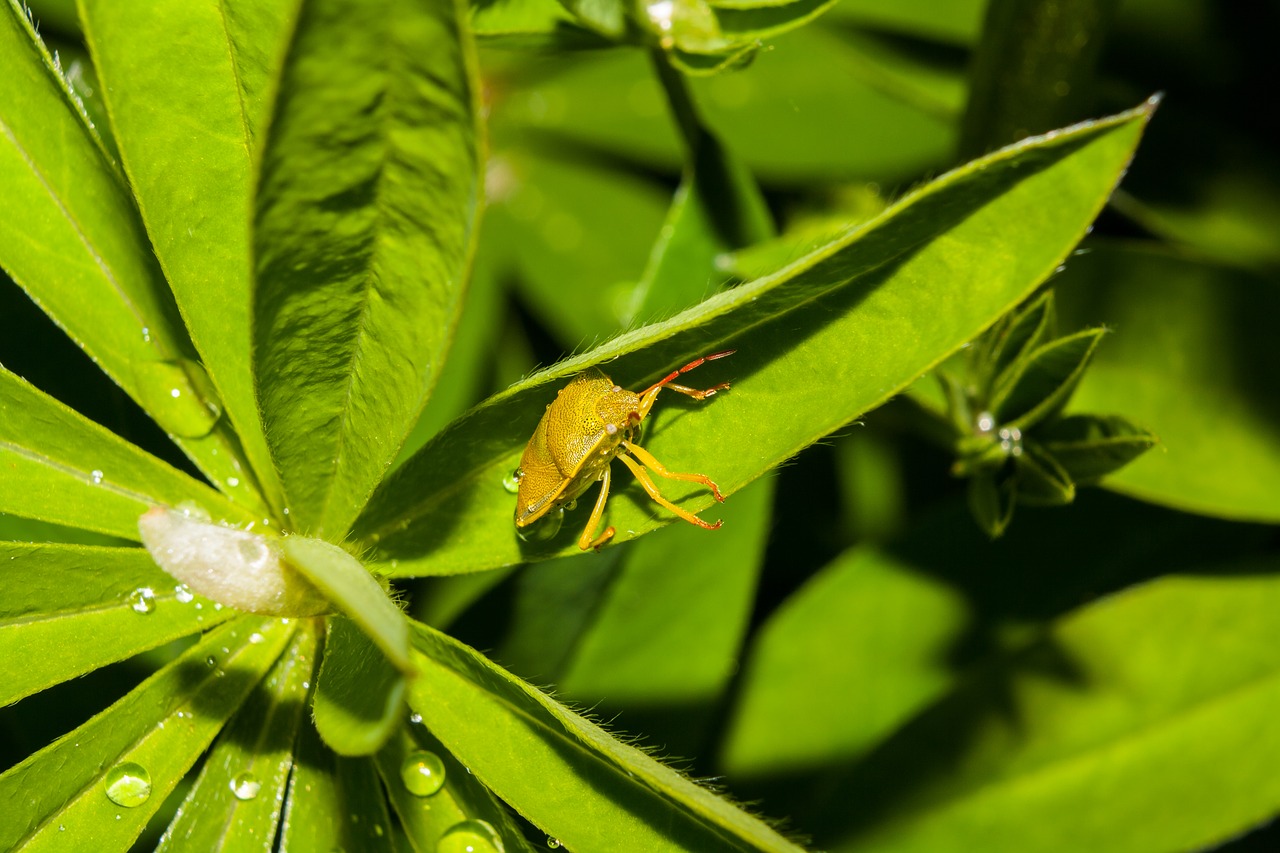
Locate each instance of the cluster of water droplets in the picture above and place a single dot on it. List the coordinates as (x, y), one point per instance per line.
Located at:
(1010, 438)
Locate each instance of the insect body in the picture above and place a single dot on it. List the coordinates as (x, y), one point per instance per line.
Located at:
(590, 423)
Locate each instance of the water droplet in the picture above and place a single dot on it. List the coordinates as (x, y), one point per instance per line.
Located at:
(422, 773)
(544, 528)
(211, 661)
(142, 600)
(554, 843)
(511, 482)
(233, 482)
(470, 836)
(96, 476)
(193, 510)
(986, 422)
(183, 593)
(1011, 440)
(415, 718)
(255, 638)
(245, 786)
(128, 784)
(180, 396)
(146, 335)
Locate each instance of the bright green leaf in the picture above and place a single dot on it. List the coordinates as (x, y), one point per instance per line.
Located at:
(188, 136)
(61, 797)
(365, 214)
(235, 804)
(818, 343)
(63, 468)
(346, 583)
(619, 798)
(68, 610)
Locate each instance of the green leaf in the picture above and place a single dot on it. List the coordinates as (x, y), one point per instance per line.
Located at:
(621, 798)
(1038, 386)
(188, 134)
(991, 501)
(334, 803)
(359, 696)
(58, 799)
(663, 641)
(235, 804)
(68, 610)
(860, 647)
(413, 759)
(531, 23)
(1193, 360)
(1157, 700)
(71, 237)
(345, 582)
(1090, 447)
(365, 214)
(818, 343)
(63, 468)
(1042, 479)
(1014, 338)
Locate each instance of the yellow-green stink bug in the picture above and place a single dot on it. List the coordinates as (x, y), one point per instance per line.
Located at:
(590, 423)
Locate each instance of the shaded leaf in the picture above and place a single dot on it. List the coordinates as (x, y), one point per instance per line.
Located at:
(1042, 479)
(1090, 447)
(359, 696)
(1037, 387)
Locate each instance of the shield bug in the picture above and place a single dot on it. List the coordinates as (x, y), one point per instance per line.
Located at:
(590, 423)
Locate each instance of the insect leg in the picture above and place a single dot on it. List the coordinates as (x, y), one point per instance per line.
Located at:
(649, 394)
(647, 482)
(597, 512)
(661, 470)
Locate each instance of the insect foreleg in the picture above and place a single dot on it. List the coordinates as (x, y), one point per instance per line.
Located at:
(585, 541)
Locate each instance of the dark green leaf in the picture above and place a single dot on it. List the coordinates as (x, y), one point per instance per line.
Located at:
(365, 214)
(1041, 478)
(360, 695)
(1193, 360)
(1090, 447)
(818, 343)
(992, 498)
(1036, 388)
(1013, 339)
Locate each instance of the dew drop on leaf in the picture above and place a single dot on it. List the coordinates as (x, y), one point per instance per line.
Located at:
(183, 593)
(128, 784)
(142, 600)
(245, 786)
(422, 773)
(470, 836)
(511, 482)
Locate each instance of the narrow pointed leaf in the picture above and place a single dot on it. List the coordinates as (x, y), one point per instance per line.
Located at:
(346, 583)
(58, 799)
(1016, 337)
(71, 236)
(61, 467)
(1039, 386)
(818, 343)
(365, 215)
(991, 501)
(188, 136)
(359, 696)
(1042, 479)
(621, 798)
(235, 804)
(1090, 447)
(411, 765)
(68, 610)
(334, 803)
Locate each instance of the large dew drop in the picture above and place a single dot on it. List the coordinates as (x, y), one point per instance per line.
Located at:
(128, 784)
(422, 773)
(233, 567)
(245, 786)
(142, 600)
(470, 836)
